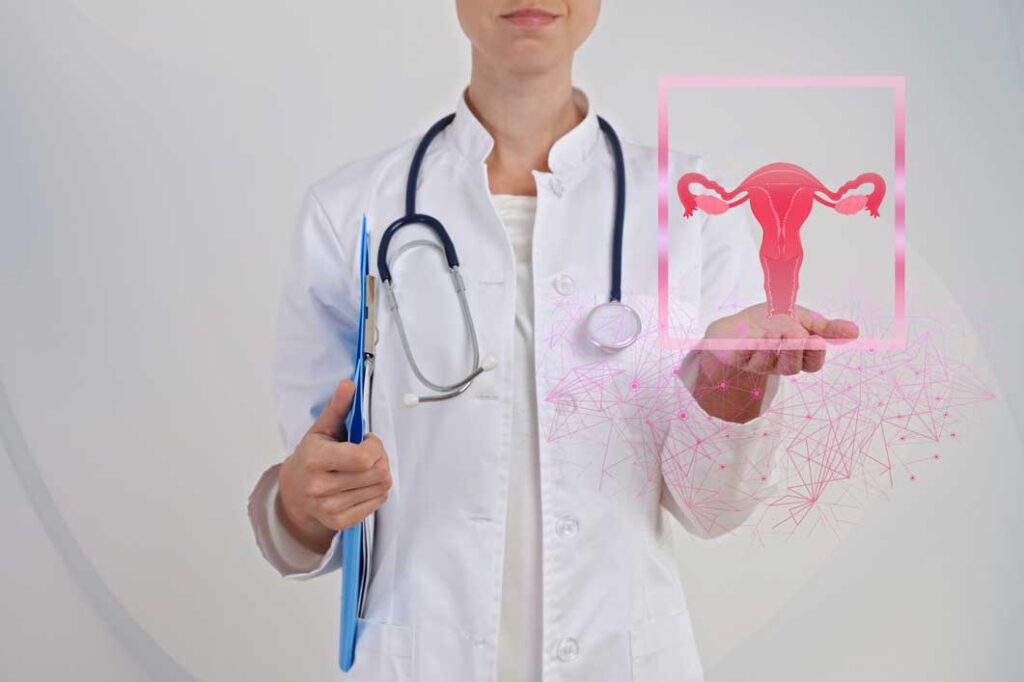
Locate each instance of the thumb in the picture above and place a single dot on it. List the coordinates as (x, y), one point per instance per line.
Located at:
(331, 422)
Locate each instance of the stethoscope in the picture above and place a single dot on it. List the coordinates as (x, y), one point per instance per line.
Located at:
(609, 326)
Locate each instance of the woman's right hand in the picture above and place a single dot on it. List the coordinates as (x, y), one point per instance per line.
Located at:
(327, 485)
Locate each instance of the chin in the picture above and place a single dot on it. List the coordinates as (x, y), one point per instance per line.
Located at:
(530, 57)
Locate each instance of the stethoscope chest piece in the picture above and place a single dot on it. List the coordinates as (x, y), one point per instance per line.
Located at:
(612, 326)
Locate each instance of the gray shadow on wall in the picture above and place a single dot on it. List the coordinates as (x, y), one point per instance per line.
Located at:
(143, 649)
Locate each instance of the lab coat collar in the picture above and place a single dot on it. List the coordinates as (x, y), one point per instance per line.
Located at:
(567, 154)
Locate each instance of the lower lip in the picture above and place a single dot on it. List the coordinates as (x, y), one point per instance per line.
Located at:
(530, 20)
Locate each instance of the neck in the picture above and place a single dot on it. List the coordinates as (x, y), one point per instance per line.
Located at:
(525, 114)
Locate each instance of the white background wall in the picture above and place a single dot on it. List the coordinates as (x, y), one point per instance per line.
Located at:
(152, 159)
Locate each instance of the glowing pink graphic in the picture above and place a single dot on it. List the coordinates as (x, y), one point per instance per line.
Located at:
(896, 333)
(781, 196)
(862, 426)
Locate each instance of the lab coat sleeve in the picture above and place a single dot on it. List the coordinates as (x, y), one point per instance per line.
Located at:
(286, 554)
(715, 473)
(313, 349)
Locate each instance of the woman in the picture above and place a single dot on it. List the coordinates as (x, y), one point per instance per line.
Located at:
(504, 550)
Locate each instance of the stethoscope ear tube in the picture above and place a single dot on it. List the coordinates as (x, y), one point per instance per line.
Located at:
(444, 391)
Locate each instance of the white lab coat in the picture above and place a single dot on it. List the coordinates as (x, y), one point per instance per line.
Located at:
(613, 606)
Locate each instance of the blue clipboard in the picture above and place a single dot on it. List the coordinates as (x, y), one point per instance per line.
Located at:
(356, 542)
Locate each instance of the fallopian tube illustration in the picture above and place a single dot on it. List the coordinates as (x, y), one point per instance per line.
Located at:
(781, 195)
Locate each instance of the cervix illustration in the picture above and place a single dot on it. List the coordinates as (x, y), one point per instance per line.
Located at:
(780, 196)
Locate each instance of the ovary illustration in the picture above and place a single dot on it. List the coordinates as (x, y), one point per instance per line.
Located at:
(781, 195)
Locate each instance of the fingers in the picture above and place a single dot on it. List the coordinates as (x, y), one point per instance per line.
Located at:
(761, 361)
(738, 359)
(797, 352)
(786, 345)
(817, 331)
(791, 360)
(840, 331)
(331, 422)
(338, 504)
(837, 330)
(351, 483)
(814, 354)
(328, 456)
(339, 516)
(327, 484)
(782, 349)
(337, 484)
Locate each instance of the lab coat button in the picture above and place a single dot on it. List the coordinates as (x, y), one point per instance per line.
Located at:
(557, 187)
(565, 405)
(568, 649)
(564, 284)
(567, 527)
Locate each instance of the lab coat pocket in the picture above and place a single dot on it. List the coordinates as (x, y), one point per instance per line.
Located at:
(663, 648)
(384, 652)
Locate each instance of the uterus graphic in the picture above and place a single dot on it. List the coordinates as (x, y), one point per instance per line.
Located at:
(781, 195)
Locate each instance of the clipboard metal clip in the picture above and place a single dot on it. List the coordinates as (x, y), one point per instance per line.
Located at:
(370, 333)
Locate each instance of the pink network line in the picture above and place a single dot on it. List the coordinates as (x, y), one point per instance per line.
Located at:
(847, 435)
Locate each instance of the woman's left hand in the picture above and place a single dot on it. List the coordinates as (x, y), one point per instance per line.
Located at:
(788, 344)
(730, 383)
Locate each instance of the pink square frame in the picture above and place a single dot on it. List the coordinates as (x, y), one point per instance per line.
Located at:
(898, 339)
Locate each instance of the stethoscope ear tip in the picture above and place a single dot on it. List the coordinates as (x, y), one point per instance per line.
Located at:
(488, 363)
(410, 400)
